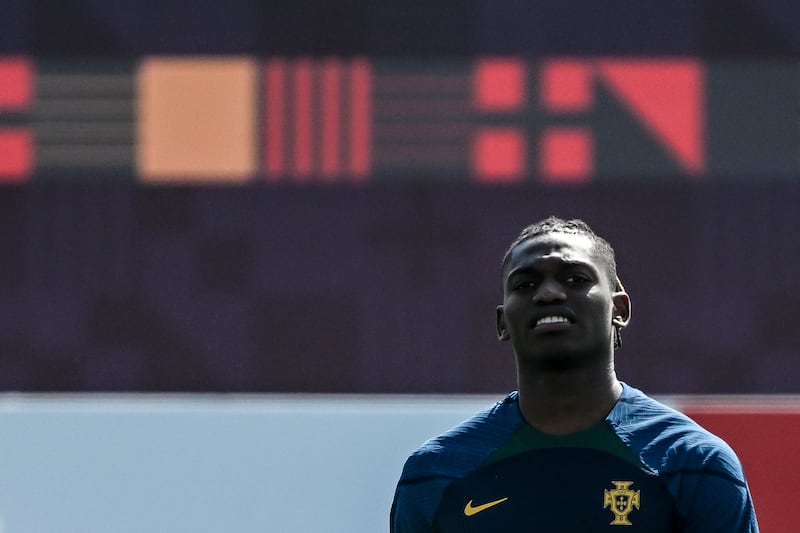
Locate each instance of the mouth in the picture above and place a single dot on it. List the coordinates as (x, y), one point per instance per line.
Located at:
(552, 323)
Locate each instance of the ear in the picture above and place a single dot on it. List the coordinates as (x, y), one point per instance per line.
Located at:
(502, 331)
(622, 309)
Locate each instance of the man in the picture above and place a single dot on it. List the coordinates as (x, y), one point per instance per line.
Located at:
(574, 449)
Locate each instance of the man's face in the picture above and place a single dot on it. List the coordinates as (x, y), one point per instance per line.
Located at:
(558, 301)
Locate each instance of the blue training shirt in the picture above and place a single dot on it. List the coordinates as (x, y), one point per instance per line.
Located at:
(647, 467)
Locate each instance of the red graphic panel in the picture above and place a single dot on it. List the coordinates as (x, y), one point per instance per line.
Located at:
(331, 116)
(360, 119)
(15, 84)
(566, 86)
(766, 442)
(499, 155)
(664, 95)
(274, 84)
(499, 85)
(317, 117)
(16, 143)
(667, 97)
(16, 160)
(566, 155)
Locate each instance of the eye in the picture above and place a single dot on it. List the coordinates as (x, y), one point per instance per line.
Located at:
(522, 285)
(578, 279)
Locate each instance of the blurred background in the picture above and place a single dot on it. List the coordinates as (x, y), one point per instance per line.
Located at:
(263, 198)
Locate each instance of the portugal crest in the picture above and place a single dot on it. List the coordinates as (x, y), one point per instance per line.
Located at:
(622, 500)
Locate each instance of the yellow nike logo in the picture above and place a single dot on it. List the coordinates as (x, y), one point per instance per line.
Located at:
(469, 510)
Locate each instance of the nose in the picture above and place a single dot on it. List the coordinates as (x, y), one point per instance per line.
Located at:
(549, 291)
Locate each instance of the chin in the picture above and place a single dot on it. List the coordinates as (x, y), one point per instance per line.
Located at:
(551, 362)
(559, 363)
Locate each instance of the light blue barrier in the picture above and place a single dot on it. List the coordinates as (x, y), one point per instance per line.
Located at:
(222, 464)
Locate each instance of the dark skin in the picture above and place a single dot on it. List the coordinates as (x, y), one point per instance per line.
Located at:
(559, 310)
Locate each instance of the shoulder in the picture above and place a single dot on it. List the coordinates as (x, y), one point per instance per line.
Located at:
(463, 448)
(668, 441)
(698, 468)
(443, 459)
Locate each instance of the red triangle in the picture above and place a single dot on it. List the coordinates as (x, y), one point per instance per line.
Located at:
(666, 95)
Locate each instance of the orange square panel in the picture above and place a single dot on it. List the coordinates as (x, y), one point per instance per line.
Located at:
(197, 119)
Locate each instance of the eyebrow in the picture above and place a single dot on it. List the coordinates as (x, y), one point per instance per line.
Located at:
(531, 268)
(565, 264)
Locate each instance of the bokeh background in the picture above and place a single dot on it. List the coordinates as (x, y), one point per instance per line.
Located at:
(314, 197)
(305, 196)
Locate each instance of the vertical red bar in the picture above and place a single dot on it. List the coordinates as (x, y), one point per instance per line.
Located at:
(303, 119)
(16, 83)
(331, 96)
(16, 155)
(274, 164)
(360, 116)
(16, 143)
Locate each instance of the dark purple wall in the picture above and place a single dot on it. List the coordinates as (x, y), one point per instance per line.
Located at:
(377, 289)
(708, 28)
(385, 288)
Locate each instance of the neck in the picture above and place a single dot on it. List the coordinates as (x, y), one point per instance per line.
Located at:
(561, 403)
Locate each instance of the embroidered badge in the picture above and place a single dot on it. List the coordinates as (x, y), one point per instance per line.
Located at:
(622, 500)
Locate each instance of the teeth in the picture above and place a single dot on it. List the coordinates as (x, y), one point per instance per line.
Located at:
(552, 320)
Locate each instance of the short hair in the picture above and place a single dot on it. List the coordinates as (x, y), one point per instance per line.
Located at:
(576, 226)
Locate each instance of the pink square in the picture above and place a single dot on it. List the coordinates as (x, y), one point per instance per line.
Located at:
(499, 155)
(499, 84)
(15, 83)
(15, 154)
(566, 155)
(566, 85)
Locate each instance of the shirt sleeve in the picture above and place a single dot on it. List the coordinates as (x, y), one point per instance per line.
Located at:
(712, 493)
(721, 505)
(414, 506)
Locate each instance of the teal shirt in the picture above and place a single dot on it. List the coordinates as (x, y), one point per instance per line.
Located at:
(645, 468)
